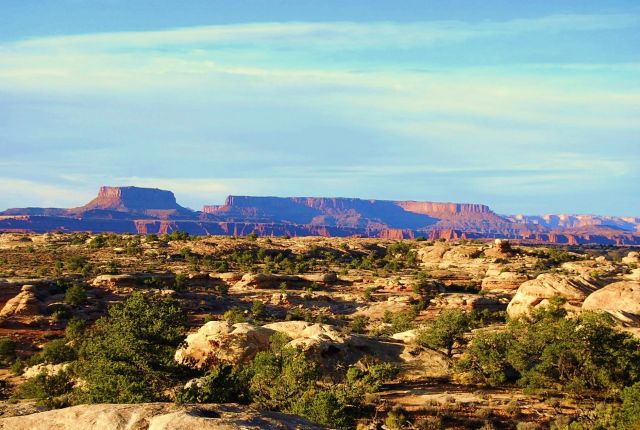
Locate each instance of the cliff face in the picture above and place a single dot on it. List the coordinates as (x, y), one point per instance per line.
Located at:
(147, 210)
(137, 201)
(578, 221)
(132, 198)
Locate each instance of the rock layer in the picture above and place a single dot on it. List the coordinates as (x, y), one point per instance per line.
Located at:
(156, 416)
(146, 210)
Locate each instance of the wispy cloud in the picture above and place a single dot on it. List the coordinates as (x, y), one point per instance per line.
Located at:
(333, 35)
(369, 109)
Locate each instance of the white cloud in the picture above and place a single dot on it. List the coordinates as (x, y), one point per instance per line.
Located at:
(22, 192)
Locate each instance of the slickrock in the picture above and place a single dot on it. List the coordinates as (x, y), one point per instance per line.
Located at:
(49, 369)
(537, 292)
(156, 416)
(24, 304)
(632, 258)
(220, 342)
(620, 299)
(503, 281)
(271, 280)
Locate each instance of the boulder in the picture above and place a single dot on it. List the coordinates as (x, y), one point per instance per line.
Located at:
(314, 339)
(633, 276)
(408, 336)
(273, 280)
(620, 299)
(24, 304)
(537, 292)
(221, 342)
(131, 280)
(49, 369)
(503, 281)
(632, 258)
(264, 280)
(156, 416)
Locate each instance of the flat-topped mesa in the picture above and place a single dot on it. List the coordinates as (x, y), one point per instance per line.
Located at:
(435, 208)
(370, 215)
(132, 198)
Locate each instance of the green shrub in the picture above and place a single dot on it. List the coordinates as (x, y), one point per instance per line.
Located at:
(234, 315)
(57, 351)
(46, 388)
(359, 324)
(396, 420)
(630, 409)
(75, 295)
(77, 263)
(446, 331)
(222, 384)
(7, 349)
(75, 330)
(128, 358)
(399, 322)
(18, 367)
(546, 349)
(258, 309)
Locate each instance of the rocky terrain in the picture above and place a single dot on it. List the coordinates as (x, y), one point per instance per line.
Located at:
(146, 210)
(351, 306)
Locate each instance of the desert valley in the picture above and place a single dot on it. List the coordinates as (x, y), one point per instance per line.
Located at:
(394, 314)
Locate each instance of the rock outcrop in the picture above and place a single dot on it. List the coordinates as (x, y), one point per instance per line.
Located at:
(26, 303)
(156, 416)
(633, 258)
(502, 281)
(537, 292)
(150, 210)
(221, 342)
(620, 299)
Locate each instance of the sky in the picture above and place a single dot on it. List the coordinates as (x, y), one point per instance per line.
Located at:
(529, 107)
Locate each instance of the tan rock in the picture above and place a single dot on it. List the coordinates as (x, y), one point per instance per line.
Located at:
(220, 342)
(632, 258)
(503, 281)
(49, 369)
(633, 276)
(620, 299)
(537, 292)
(408, 336)
(156, 416)
(314, 339)
(24, 304)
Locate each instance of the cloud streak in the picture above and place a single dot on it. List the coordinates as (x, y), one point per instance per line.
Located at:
(369, 109)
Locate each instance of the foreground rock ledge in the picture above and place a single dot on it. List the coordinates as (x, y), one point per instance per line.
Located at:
(156, 416)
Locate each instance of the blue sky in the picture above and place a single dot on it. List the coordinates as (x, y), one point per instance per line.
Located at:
(530, 107)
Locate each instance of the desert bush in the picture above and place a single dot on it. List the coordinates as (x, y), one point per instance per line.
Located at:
(222, 384)
(547, 349)
(46, 388)
(75, 295)
(57, 351)
(128, 358)
(234, 315)
(396, 420)
(630, 409)
(75, 330)
(359, 324)
(399, 322)
(7, 349)
(258, 309)
(446, 331)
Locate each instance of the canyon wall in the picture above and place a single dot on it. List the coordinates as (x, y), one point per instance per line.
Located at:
(147, 210)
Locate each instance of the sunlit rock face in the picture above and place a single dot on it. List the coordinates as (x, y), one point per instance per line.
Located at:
(150, 210)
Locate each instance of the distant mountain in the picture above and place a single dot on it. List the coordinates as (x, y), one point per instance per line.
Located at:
(149, 210)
